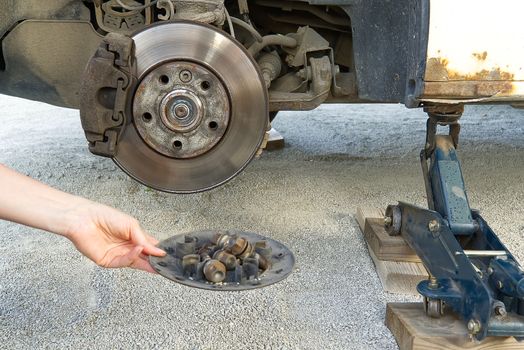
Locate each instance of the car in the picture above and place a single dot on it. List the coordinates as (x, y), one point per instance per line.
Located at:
(181, 93)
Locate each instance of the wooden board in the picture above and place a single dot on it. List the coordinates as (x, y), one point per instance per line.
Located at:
(385, 247)
(413, 330)
(275, 141)
(398, 267)
(397, 276)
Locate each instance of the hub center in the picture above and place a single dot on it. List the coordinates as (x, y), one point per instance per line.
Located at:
(180, 117)
(181, 110)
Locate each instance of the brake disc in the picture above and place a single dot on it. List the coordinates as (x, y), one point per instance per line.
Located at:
(198, 111)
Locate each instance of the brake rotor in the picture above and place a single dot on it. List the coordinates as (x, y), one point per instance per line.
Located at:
(199, 112)
(218, 260)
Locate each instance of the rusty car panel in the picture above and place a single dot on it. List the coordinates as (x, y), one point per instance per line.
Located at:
(470, 55)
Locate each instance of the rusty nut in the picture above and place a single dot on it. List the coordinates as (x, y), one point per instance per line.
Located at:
(238, 246)
(214, 271)
(248, 252)
(229, 260)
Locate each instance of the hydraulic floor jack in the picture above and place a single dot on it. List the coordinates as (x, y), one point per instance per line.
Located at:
(471, 272)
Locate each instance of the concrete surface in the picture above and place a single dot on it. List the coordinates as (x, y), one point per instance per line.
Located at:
(336, 158)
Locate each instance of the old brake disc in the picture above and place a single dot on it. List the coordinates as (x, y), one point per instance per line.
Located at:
(199, 110)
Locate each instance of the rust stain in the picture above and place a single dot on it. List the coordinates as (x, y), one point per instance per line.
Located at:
(467, 89)
(481, 56)
(494, 74)
(437, 70)
(441, 81)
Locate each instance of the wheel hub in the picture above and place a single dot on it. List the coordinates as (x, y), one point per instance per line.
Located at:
(181, 109)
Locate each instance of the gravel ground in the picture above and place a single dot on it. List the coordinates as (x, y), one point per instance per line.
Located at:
(337, 158)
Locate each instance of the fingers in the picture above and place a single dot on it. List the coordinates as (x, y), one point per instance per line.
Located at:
(126, 260)
(133, 259)
(143, 264)
(140, 238)
(152, 240)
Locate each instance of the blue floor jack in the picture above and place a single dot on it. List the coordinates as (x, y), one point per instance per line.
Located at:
(471, 272)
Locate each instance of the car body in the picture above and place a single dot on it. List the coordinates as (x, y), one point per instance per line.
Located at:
(413, 52)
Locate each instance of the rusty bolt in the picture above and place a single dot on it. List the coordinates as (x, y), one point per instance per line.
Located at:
(261, 244)
(214, 271)
(186, 76)
(433, 283)
(181, 110)
(248, 252)
(473, 326)
(434, 226)
(500, 311)
(190, 264)
(225, 258)
(221, 239)
(263, 249)
(190, 259)
(206, 251)
(263, 263)
(238, 246)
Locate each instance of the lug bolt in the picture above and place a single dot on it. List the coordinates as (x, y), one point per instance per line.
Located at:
(248, 252)
(434, 226)
(263, 263)
(473, 326)
(500, 285)
(388, 221)
(227, 259)
(190, 264)
(239, 246)
(214, 271)
(221, 238)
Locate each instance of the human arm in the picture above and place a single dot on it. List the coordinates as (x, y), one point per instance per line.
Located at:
(105, 235)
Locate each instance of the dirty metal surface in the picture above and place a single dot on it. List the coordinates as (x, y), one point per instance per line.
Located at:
(195, 163)
(482, 58)
(45, 60)
(224, 260)
(181, 109)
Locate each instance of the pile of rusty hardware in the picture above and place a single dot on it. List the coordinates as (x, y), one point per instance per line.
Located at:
(227, 258)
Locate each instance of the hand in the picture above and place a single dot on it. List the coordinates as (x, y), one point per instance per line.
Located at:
(105, 235)
(110, 238)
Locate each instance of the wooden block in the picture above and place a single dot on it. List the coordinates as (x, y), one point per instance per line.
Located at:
(364, 213)
(413, 330)
(385, 247)
(398, 276)
(398, 267)
(275, 141)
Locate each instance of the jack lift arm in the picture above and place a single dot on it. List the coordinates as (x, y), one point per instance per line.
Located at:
(471, 271)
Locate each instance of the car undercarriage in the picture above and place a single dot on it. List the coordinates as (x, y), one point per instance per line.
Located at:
(106, 58)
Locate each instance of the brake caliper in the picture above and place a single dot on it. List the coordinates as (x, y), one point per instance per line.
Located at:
(107, 83)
